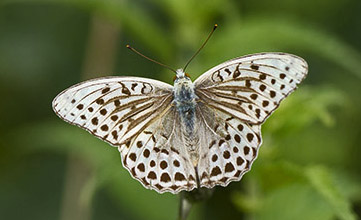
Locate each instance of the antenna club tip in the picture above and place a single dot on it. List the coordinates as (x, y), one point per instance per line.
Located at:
(215, 26)
(127, 46)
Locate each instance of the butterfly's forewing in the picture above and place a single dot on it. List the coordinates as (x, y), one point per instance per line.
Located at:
(113, 108)
(234, 99)
(137, 116)
(251, 87)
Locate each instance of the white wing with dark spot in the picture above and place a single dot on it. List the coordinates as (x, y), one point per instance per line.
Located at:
(251, 87)
(113, 108)
(137, 116)
(234, 99)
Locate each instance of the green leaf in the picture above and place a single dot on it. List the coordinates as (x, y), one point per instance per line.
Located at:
(321, 179)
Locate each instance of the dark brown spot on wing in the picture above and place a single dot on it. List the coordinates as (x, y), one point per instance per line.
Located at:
(141, 167)
(163, 164)
(246, 150)
(174, 187)
(164, 151)
(254, 96)
(262, 87)
(179, 176)
(95, 121)
(221, 142)
(159, 186)
(204, 175)
(228, 137)
(250, 137)
(125, 90)
(139, 144)
(272, 94)
(114, 117)
(226, 154)
(235, 149)
(212, 143)
(152, 175)
(216, 171)
(254, 67)
(104, 127)
(228, 71)
(103, 111)
(152, 163)
(236, 73)
(237, 138)
(80, 106)
(176, 163)
(262, 76)
(105, 90)
(265, 103)
(229, 167)
(146, 153)
(115, 135)
(214, 158)
(117, 103)
(133, 157)
(165, 177)
(100, 101)
(238, 173)
(258, 113)
(240, 161)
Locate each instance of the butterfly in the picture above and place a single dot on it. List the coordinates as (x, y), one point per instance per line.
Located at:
(192, 134)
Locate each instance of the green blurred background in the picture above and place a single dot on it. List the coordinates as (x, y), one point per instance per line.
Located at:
(308, 167)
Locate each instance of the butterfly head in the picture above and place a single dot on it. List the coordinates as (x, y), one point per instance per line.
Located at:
(183, 87)
(180, 74)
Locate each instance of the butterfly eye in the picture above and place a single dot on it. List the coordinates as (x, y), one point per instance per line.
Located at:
(174, 78)
(187, 75)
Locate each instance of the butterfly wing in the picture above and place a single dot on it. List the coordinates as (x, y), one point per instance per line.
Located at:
(229, 150)
(113, 108)
(251, 87)
(136, 115)
(157, 157)
(234, 99)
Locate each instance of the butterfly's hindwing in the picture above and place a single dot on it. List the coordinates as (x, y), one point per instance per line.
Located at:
(157, 157)
(229, 148)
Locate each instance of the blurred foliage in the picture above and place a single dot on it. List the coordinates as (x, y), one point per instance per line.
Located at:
(308, 166)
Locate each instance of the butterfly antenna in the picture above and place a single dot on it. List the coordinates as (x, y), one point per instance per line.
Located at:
(204, 43)
(144, 56)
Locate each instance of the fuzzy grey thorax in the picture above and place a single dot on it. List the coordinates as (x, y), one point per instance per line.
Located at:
(184, 99)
